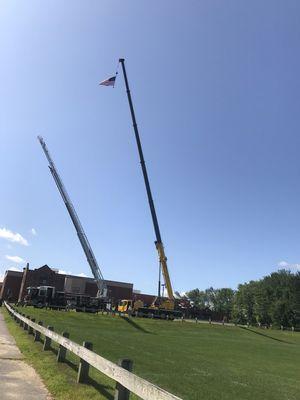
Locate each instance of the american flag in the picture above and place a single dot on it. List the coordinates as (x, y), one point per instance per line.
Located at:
(108, 82)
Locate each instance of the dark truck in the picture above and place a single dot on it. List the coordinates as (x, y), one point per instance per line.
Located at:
(49, 297)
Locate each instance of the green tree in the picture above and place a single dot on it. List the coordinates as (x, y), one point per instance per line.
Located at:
(244, 302)
(223, 301)
(274, 299)
(198, 297)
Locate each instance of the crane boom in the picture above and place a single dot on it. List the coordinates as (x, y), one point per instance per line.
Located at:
(158, 243)
(76, 222)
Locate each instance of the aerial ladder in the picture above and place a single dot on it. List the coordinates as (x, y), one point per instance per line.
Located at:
(102, 290)
(170, 302)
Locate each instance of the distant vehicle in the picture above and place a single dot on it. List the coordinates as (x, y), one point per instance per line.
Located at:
(129, 306)
(48, 296)
(161, 309)
(42, 296)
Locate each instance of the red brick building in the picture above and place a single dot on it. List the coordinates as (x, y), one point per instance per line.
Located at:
(11, 285)
(116, 291)
(15, 284)
(43, 276)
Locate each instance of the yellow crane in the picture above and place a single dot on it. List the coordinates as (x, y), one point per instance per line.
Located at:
(160, 307)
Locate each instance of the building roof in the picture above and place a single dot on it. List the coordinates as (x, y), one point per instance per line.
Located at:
(13, 273)
(87, 279)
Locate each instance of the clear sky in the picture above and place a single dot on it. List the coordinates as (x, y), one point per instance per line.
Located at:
(216, 89)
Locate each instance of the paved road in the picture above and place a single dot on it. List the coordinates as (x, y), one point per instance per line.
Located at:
(204, 321)
(18, 381)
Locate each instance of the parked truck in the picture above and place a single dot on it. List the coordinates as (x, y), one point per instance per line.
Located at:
(49, 297)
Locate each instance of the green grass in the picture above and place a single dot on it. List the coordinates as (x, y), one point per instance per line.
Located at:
(192, 361)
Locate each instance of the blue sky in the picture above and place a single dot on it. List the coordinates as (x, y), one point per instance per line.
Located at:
(216, 91)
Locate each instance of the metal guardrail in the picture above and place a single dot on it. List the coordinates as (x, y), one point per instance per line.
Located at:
(126, 379)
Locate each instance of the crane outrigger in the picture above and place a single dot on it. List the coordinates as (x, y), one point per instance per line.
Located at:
(92, 261)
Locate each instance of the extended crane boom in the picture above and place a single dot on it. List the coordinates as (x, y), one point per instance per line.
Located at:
(79, 229)
(158, 243)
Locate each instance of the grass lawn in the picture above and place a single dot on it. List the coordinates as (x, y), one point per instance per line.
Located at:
(193, 361)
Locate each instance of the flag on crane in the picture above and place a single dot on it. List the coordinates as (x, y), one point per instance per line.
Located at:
(109, 82)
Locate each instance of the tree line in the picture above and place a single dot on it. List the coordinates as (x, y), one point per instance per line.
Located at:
(273, 300)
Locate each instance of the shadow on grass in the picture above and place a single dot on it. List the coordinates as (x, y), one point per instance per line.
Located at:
(100, 388)
(135, 325)
(53, 350)
(71, 365)
(264, 335)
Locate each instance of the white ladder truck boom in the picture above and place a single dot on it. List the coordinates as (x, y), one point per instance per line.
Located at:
(76, 222)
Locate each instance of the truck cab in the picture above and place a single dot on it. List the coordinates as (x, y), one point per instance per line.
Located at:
(126, 306)
(40, 295)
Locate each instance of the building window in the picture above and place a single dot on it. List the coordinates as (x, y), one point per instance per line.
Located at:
(43, 280)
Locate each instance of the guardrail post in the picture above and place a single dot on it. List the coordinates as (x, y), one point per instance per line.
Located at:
(61, 354)
(37, 334)
(47, 342)
(121, 392)
(30, 329)
(83, 370)
(25, 324)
